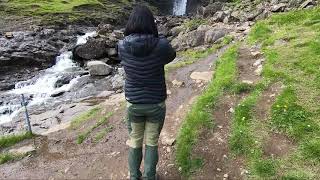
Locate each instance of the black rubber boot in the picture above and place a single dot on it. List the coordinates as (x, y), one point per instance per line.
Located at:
(134, 159)
(151, 158)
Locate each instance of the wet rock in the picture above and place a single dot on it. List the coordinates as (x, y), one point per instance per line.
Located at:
(105, 29)
(99, 68)
(57, 93)
(93, 49)
(65, 79)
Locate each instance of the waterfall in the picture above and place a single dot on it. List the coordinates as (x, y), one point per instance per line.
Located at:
(44, 86)
(180, 7)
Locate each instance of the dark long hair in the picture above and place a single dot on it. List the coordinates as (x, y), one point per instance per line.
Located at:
(141, 21)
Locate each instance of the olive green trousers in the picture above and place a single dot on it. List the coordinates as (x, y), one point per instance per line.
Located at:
(145, 122)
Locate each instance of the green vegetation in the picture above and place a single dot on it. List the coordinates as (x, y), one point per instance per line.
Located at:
(59, 12)
(100, 122)
(239, 88)
(7, 157)
(194, 23)
(192, 56)
(9, 140)
(291, 43)
(79, 120)
(103, 133)
(200, 114)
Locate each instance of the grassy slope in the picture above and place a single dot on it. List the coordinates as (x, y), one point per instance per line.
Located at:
(291, 43)
(191, 56)
(200, 113)
(61, 12)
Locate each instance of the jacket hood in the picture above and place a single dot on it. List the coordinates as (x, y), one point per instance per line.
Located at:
(140, 45)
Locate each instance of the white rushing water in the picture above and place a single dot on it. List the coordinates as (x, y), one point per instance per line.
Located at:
(180, 7)
(43, 87)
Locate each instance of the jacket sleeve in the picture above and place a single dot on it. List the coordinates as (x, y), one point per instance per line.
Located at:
(169, 54)
(118, 45)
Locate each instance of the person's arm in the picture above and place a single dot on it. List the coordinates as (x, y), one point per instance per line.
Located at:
(167, 51)
(171, 54)
(118, 49)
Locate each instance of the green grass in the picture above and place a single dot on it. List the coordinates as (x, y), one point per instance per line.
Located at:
(200, 115)
(103, 133)
(9, 140)
(102, 121)
(292, 118)
(295, 62)
(194, 23)
(63, 12)
(239, 88)
(192, 56)
(79, 120)
(9, 157)
(53, 6)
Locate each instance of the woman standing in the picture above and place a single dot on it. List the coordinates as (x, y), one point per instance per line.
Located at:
(143, 54)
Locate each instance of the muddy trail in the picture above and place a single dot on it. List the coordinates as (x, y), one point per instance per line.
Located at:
(58, 156)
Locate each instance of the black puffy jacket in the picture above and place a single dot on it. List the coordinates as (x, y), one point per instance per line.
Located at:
(143, 58)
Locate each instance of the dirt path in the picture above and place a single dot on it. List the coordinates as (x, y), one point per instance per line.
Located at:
(59, 157)
(213, 145)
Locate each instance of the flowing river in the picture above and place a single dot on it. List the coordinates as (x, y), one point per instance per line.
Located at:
(43, 87)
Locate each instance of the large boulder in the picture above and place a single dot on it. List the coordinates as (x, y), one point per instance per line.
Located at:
(203, 35)
(213, 35)
(105, 29)
(191, 39)
(99, 68)
(210, 10)
(93, 49)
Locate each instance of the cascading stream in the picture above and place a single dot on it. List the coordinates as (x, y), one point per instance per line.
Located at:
(42, 89)
(180, 7)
